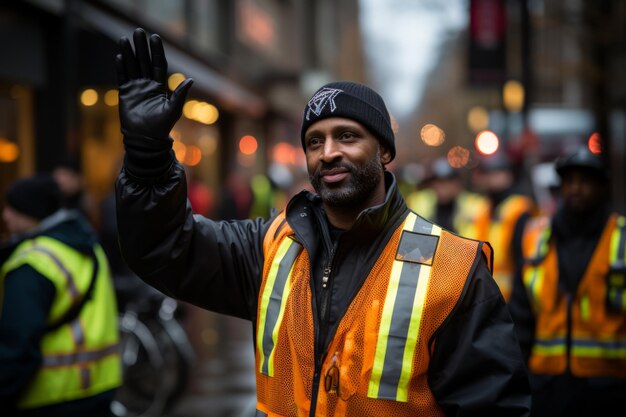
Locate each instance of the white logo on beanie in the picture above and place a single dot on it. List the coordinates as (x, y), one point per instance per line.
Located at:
(325, 96)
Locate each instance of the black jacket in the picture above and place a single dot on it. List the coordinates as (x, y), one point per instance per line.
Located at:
(28, 297)
(476, 367)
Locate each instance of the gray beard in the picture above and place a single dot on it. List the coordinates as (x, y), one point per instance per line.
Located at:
(361, 184)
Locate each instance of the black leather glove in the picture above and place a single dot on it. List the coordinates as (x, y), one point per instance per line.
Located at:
(147, 112)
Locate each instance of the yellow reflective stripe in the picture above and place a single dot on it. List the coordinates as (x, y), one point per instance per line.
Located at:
(585, 309)
(385, 323)
(534, 276)
(533, 280)
(614, 254)
(275, 293)
(541, 350)
(285, 294)
(609, 348)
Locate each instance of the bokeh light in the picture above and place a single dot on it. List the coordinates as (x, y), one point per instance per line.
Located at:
(458, 157)
(513, 96)
(201, 112)
(284, 153)
(487, 142)
(248, 145)
(9, 151)
(89, 97)
(595, 143)
(174, 80)
(478, 119)
(193, 155)
(432, 135)
(111, 98)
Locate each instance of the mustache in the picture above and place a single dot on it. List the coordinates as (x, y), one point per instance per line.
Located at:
(325, 166)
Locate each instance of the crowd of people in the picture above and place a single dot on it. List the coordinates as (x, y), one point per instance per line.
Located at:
(461, 298)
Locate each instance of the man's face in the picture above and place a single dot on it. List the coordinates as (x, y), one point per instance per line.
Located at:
(16, 222)
(345, 163)
(581, 190)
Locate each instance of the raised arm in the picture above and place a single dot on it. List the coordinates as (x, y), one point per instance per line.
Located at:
(215, 265)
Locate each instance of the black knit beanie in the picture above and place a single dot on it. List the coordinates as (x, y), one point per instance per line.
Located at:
(353, 101)
(38, 196)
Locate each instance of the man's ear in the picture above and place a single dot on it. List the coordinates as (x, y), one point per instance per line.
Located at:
(385, 155)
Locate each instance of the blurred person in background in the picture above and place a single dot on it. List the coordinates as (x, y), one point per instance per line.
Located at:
(68, 174)
(502, 219)
(569, 297)
(236, 197)
(360, 306)
(443, 198)
(58, 324)
(200, 195)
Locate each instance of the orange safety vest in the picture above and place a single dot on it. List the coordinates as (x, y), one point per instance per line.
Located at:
(596, 344)
(497, 228)
(377, 362)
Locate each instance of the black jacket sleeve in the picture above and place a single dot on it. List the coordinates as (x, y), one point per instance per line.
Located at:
(28, 297)
(214, 265)
(476, 366)
(522, 314)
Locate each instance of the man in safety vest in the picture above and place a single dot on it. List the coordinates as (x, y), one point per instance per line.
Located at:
(502, 219)
(569, 298)
(443, 198)
(58, 323)
(361, 307)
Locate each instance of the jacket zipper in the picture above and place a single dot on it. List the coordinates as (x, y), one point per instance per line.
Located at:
(319, 351)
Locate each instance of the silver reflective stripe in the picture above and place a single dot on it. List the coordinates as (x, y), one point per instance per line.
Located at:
(400, 321)
(275, 304)
(621, 247)
(68, 276)
(260, 413)
(79, 357)
(85, 377)
(77, 331)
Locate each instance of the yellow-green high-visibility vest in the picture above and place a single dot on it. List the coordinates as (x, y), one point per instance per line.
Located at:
(80, 358)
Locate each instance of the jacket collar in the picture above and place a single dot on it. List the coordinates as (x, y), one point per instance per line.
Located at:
(306, 206)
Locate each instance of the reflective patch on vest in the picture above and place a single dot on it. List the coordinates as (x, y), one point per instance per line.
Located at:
(554, 346)
(273, 300)
(611, 349)
(534, 275)
(616, 278)
(399, 328)
(417, 247)
(260, 413)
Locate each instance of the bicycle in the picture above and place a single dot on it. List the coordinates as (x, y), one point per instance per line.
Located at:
(157, 357)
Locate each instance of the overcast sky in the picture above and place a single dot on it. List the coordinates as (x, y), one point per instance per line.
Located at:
(403, 40)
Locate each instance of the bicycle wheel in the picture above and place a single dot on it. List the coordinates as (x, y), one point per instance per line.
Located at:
(142, 393)
(178, 357)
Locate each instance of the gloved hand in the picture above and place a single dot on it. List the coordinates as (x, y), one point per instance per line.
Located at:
(147, 112)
